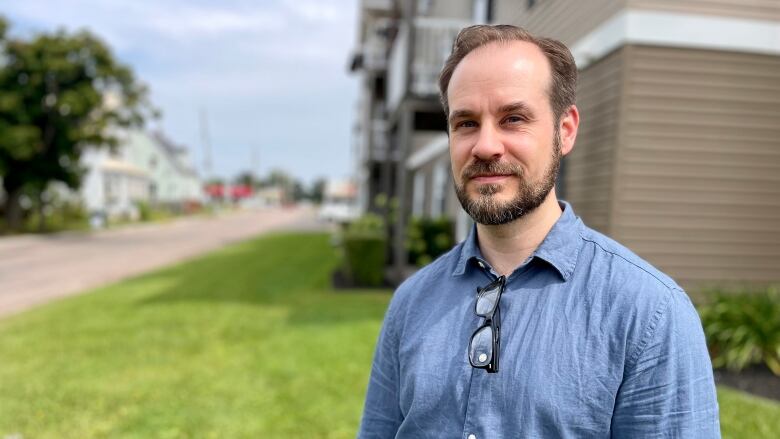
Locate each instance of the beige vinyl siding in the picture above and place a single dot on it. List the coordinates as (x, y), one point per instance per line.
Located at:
(751, 9)
(565, 20)
(589, 168)
(699, 175)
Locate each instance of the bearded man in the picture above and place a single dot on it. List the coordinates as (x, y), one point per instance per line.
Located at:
(535, 325)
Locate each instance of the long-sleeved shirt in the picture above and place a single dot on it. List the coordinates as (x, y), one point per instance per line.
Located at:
(594, 342)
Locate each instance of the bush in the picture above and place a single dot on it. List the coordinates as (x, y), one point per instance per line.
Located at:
(364, 242)
(428, 238)
(144, 211)
(743, 329)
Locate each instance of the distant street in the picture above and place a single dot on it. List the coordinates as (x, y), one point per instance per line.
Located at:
(37, 269)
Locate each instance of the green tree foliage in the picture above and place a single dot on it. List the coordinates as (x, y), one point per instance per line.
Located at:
(317, 190)
(60, 93)
(247, 178)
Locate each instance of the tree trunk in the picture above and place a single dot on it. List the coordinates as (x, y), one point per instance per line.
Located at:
(41, 216)
(12, 209)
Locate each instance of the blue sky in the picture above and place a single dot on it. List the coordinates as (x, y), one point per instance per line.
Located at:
(270, 74)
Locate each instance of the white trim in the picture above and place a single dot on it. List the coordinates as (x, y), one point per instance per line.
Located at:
(418, 194)
(435, 147)
(677, 30)
(438, 187)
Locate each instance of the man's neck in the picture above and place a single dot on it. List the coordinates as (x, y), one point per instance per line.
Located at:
(506, 246)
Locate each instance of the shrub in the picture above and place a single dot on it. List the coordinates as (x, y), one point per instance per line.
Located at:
(428, 238)
(743, 329)
(144, 211)
(364, 242)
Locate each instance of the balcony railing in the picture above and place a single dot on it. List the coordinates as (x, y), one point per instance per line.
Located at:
(433, 39)
(375, 45)
(380, 145)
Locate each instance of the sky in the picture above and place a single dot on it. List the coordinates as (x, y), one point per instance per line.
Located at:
(271, 76)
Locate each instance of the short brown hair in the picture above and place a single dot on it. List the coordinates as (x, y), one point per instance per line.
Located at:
(563, 87)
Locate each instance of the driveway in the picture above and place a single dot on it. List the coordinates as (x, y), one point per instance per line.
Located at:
(37, 269)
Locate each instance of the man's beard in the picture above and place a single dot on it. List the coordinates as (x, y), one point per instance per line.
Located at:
(485, 209)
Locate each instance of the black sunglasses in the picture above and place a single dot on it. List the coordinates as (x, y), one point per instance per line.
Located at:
(485, 342)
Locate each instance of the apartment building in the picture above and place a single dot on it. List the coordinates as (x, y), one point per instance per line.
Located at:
(678, 155)
(403, 44)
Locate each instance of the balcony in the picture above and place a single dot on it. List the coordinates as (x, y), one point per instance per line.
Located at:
(414, 68)
(380, 145)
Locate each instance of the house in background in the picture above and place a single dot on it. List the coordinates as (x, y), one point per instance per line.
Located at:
(678, 154)
(145, 167)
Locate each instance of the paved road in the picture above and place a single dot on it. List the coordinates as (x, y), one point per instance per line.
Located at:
(37, 269)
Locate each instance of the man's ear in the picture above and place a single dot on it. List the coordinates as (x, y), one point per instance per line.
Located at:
(567, 129)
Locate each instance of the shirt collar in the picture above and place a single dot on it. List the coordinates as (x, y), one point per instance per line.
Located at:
(560, 248)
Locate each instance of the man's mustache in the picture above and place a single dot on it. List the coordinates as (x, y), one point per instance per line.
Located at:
(492, 167)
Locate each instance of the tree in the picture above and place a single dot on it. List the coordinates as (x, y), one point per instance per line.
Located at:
(60, 93)
(246, 178)
(318, 190)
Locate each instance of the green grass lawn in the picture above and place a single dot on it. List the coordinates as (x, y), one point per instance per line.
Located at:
(746, 416)
(247, 342)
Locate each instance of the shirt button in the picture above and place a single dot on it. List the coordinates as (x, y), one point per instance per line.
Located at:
(472, 436)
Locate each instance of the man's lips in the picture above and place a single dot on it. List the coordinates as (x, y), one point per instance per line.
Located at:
(490, 178)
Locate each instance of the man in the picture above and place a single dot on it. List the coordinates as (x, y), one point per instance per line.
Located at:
(534, 326)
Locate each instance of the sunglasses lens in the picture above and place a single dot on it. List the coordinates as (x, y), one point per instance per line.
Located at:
(481, 347)
(486, 301)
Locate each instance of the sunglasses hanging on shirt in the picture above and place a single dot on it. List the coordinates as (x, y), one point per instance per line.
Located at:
(485, 343)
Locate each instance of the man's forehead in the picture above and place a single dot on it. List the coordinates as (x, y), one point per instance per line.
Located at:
(511, 66)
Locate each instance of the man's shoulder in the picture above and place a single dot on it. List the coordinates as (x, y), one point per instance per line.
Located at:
(646, 301)
(605, 250)
(429, 275)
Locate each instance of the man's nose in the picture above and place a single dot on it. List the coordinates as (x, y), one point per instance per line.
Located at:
(489, 145)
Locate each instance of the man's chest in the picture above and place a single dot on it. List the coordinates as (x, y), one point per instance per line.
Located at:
(559, 365)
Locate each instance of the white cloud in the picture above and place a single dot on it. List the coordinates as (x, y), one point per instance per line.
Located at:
(199, 22)
(313, 10)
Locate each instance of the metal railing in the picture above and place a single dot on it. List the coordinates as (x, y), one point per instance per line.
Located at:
(433, 38)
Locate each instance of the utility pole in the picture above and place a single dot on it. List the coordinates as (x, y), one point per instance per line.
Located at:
(254, 161)
(206, 143)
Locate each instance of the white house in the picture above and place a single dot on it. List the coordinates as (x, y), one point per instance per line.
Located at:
(146, 167)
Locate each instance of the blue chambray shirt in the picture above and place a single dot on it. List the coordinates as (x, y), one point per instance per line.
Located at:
(595, 342)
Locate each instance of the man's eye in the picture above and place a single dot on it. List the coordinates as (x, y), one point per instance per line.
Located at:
(466, 124)
(514, 119)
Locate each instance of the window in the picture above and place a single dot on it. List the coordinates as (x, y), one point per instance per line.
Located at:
(111, 188)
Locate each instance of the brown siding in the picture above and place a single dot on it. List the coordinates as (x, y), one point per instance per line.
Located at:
(699, 174)
(566, 20)
(588, 171)
(753, 9)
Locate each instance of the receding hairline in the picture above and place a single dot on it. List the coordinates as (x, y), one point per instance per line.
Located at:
(496, 44)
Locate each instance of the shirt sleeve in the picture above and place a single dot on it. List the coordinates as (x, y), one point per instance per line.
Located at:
(381, 413)
(668, 388)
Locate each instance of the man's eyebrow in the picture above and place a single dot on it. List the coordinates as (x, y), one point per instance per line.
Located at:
(516, 107)
(458, 114)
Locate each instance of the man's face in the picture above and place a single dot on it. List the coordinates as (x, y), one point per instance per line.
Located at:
(504, 141)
